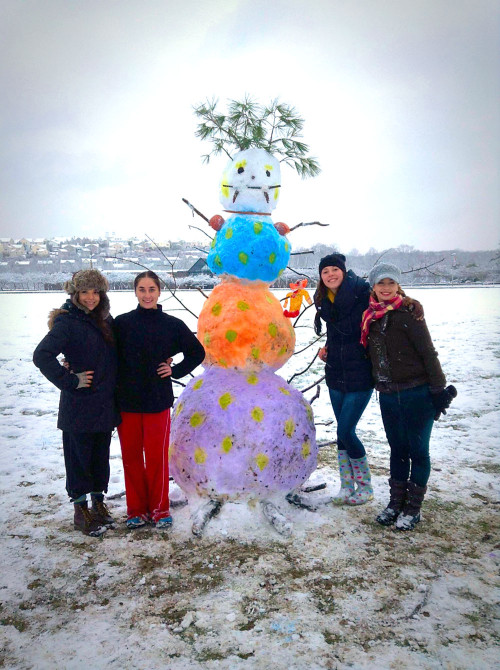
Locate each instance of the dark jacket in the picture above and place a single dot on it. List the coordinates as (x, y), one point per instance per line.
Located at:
(145, 338)
(402, 353)
(348, 366)
(77, 336)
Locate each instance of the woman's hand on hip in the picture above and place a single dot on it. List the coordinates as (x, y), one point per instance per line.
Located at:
(164, 369)
(85, 379)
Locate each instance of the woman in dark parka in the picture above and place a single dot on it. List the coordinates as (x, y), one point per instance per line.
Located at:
(81, 331)
(340, 299)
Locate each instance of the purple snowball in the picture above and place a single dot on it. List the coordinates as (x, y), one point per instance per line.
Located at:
(241, 435)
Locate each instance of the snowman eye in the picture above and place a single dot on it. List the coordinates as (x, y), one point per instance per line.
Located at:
(241, 170)
(268, 173)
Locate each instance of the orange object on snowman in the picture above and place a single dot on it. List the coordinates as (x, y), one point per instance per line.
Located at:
(295, 297)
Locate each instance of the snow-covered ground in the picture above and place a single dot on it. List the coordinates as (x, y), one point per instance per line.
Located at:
(342, 592)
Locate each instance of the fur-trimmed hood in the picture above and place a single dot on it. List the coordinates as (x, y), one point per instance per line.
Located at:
(54, 314)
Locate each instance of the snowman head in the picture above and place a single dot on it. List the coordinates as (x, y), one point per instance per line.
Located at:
(251, 182)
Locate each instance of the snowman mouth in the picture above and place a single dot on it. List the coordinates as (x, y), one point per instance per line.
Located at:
(253, 188)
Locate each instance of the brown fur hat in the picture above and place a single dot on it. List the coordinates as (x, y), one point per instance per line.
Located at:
(83, 280)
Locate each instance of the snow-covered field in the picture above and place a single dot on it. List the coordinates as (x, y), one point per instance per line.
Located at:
(342, 592)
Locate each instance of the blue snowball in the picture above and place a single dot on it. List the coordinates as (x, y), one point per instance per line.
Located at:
(249, 247)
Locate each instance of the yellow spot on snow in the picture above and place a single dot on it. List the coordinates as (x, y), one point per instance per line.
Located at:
(284, 391)
(310, 414)
(255, 352)
(252, 378)
(197, 385)
(257, 227)
(207, 339)
(262, 461)
(287, 246)
(272, 329)
(243, 306)
(228, 234)
(227, 444)
(231, 335)
(216, 309)
(289, 427)
(178, 409)
(196, 419)
(213, 242)
(257, 414)
(306, 449)
(218, 261)
(283, 351)
(243, 257)
(272, 257)
(225, 400)
(200, 455)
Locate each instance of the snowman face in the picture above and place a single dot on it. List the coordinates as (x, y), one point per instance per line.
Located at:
(251, 182)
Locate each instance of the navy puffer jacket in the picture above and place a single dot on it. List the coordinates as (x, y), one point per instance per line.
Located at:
(77, 336)
(145, 338)
(348, 367)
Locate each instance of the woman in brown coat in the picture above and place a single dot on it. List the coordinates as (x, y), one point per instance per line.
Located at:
(411, 384)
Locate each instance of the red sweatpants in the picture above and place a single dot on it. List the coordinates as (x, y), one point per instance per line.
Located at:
(144, 441)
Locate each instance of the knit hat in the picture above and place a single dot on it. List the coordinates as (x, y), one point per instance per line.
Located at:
(84, 280)
(384, 271)
(337, 260)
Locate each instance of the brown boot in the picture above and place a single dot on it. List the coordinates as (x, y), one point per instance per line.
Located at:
(85, 522)
(101, 513)
(398, 498)
(410, 514)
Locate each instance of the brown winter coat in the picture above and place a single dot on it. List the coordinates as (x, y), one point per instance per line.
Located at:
(402, 353)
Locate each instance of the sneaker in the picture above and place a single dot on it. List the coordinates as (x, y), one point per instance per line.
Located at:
(165, 523)
(137, 521)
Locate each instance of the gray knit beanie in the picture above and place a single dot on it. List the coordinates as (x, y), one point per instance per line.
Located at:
(84, 280)
(384, 271)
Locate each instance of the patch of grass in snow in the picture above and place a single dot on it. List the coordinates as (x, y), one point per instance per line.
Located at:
(18, 623)
(487, 467)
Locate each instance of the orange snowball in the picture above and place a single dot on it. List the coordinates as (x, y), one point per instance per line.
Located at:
(243, 326)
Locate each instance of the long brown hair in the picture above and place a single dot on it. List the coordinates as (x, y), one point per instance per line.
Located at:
(99, 314)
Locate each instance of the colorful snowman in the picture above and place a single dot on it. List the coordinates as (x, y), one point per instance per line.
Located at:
(239, 430)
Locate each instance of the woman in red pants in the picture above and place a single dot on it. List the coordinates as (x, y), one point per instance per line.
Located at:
(147, 339)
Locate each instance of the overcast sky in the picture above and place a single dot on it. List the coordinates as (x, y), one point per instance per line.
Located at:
(400, 100)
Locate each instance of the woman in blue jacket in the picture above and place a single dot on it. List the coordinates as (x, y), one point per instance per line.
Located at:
(340, 299)
(81, 331)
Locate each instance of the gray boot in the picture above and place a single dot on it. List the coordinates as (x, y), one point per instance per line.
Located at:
(363, 480)
(346, 479)
(396, 503)
(410, 515)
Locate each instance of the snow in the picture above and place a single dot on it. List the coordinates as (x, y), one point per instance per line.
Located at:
(340, 592)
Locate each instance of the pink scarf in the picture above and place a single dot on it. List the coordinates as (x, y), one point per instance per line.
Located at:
(376, 310)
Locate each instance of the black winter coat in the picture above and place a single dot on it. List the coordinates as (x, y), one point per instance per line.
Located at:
(348, 367)
(76, 335)
(145, 338)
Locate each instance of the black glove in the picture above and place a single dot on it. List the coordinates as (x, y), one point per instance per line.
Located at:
(442, 400)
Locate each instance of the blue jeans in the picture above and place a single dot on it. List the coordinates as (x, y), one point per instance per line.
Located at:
(348, 408)
(408, 418)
